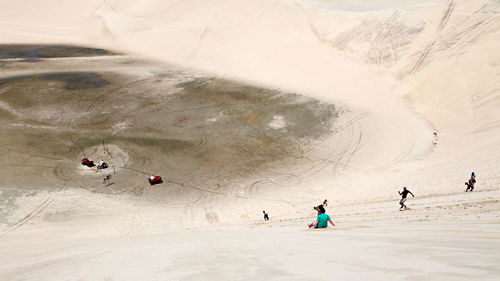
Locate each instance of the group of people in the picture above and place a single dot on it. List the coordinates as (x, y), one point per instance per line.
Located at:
(470, 186)
(323, 219)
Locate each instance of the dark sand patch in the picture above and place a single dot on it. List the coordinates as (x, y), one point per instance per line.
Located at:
(201, 132)
(47, 51)
(77, 80)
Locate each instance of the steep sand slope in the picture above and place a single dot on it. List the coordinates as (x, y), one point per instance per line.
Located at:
(377, 58)
(395, 74)
(447, 237)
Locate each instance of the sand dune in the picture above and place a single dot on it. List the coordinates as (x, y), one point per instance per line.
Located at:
(244, 106)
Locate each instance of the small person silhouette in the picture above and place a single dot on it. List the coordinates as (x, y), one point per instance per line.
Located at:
(403, 198)
(471, 182)
(107, 178)
(266, 216)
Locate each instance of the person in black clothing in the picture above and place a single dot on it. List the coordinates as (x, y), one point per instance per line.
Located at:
(403, 198)
(266, 216)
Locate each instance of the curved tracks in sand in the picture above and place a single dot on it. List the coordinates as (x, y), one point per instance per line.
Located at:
(159, 143)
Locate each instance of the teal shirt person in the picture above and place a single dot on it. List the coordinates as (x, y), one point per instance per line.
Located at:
(323, 220)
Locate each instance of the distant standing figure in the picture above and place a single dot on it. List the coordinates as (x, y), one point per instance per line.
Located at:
(322, 219)
(403, 198)
(325, 203)
(107, 178)
(266, 216)
(471, 182)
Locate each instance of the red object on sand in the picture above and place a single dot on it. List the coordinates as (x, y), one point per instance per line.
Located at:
(87, 162)
(156, 180)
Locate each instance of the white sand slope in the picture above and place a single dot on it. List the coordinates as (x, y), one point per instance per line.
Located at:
(399, 70)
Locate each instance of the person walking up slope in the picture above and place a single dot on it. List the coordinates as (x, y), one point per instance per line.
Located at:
(403, 198)
(471, 182)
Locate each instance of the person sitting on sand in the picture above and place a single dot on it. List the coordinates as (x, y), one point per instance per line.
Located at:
(152, 177)
(322, 219)
(403, 198)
